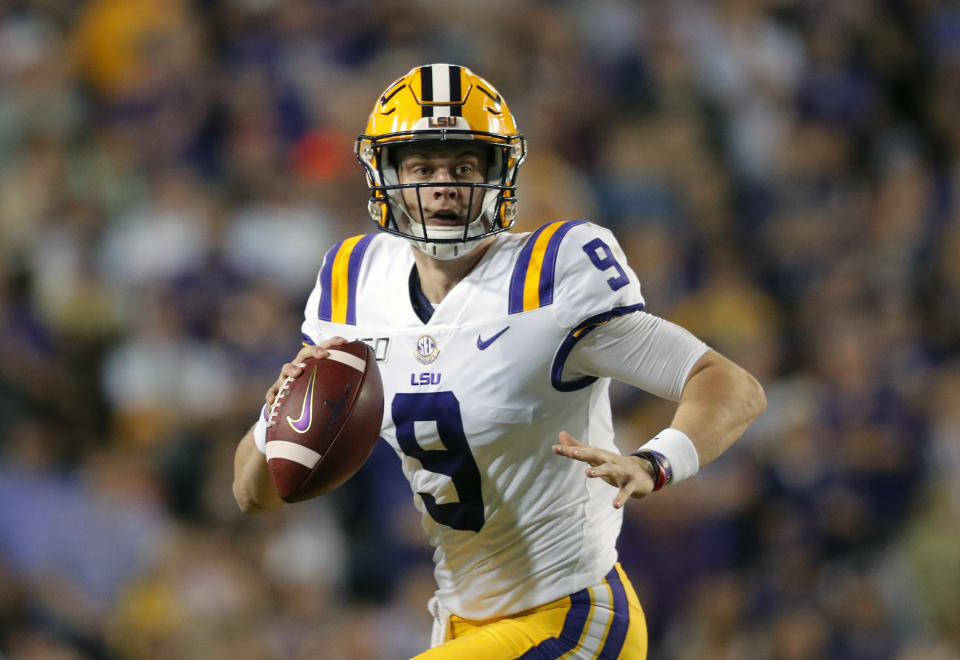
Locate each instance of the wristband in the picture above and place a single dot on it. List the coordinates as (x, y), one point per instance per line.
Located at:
(662, 472)
(671, 452)
(260, 431)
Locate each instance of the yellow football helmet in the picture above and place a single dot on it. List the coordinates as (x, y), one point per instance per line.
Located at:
(440, 103)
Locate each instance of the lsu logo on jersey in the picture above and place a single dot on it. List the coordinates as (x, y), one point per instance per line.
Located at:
(425, 378)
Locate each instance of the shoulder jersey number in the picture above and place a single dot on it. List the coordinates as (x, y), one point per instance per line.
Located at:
(607, 261)
(454, 460)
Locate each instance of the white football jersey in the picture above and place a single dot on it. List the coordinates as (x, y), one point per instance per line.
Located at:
(474, 400)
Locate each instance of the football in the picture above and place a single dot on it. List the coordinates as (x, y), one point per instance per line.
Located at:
(324, 424)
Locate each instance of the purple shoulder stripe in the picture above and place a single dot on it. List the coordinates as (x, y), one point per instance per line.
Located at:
(548, 272)
(353, 270)
(519, 276)
(326, 282)
(543, 259)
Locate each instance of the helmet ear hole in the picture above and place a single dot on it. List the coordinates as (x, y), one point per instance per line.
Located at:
(509, 213)
(377, 211)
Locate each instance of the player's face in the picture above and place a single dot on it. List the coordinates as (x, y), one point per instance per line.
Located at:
(446, 205)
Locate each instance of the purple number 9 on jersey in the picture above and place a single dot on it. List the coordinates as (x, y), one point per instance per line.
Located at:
(605, 262)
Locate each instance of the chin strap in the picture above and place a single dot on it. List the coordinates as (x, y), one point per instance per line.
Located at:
(445, 251)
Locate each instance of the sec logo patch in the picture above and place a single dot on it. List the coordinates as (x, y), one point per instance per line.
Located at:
(427, 349)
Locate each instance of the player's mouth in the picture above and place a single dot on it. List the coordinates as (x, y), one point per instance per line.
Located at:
(445, 219)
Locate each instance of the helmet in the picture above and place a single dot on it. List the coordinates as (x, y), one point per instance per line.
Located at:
(441, 103)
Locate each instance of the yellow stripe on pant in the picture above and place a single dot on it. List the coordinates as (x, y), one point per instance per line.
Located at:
(603, 622)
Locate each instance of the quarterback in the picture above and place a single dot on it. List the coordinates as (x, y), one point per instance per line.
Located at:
(496, 352)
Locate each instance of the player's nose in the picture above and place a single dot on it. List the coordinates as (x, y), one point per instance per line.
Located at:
(445, 176)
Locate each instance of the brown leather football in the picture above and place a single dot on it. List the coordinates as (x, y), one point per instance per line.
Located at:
(324, 424)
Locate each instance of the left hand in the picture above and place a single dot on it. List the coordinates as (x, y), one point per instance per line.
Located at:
(632, 475)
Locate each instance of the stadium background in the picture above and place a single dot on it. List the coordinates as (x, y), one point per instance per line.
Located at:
(783, 174)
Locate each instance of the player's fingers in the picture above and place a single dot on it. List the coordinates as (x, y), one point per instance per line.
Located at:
(570, 451)
(605, 470)
(332, 341)
(275, 388)
(288, 370)
(594, 456)
(590, 455)
(570, 448)
(310, 352)
(611, 473)
(623, 495)
(272, 392)
(567, 440)
(568, 445)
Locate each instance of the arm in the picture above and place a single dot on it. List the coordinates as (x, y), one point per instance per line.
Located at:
(717, 399)
(253, 488)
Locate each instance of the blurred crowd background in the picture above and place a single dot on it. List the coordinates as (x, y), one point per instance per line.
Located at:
(784, 176)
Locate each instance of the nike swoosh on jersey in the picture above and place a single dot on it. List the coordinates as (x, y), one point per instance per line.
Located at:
(302, 423)
(482, 344)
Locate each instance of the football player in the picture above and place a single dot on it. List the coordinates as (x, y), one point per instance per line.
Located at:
(496, 352)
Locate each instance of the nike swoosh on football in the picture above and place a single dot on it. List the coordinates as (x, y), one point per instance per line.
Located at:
(302, 423)
(482, 344)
